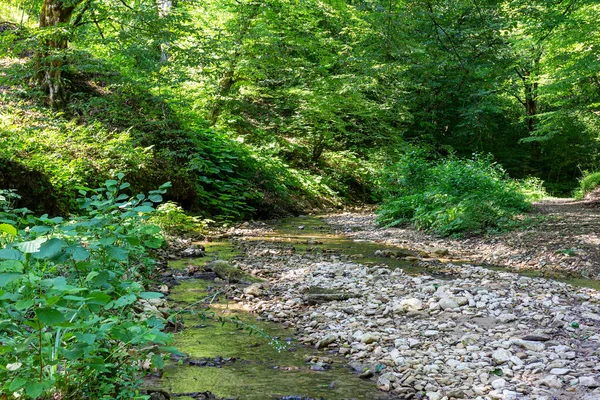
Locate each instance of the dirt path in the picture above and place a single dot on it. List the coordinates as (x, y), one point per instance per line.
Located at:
(565, 241)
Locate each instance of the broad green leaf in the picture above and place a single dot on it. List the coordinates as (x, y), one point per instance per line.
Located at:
(171, 350)
(124, 301)
(151, 295)
(155, 198)
(88, 338)
(150, 229)
(35, 389)
(98, 298)
(7, 278)
(50, 248)
(50, 316)
(78, 253)
(153, 243)
(11, 266)
(133, 240)
(41, 230)
(7, 228)
(157, 361)
(117, 253)
(100, 278)
(143, 209)
(11, 254)
(23, 304)
(107, 241)
(17, 384)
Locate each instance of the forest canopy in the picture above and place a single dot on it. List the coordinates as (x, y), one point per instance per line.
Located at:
(255, 106)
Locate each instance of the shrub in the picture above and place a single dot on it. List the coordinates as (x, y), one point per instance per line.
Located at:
(173, 220)
(70, 316)
(587, 184)
(450, 196)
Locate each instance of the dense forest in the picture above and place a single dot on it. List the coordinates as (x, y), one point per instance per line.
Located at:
(452, 115)
(254, 107)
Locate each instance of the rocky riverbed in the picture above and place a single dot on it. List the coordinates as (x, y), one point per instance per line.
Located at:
(452, 331)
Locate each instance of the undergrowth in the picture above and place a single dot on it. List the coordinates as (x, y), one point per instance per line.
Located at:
(588, 183)
(453, 196)
(114, 123)
(72, 292)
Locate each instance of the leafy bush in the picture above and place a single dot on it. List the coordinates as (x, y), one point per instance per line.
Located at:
(533, 188)
(173, 220)
(587, 184)
(70, 314)
(449, 196)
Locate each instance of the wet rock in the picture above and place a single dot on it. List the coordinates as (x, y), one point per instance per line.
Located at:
(506, 318)
(440, 251)
(319, 295)
(158, 394)
(384, 382)
(498, 383)
(225, 270)
(193, 251)
(326, 341)
(559, 371)
(366, 374)
(529, 345)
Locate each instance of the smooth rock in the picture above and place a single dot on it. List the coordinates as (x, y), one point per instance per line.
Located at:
(447, 303)
(410, 305)
(501, 356)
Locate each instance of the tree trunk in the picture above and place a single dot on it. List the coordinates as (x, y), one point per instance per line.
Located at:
(164, 9)
(50, 59)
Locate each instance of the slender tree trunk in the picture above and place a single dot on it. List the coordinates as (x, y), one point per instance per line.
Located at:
(50, 59)
(164, 9)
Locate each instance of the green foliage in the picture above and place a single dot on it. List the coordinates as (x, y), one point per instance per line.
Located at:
(70, 320)
(449, 196)
(533, 189)
(173, 220)
(588, 183)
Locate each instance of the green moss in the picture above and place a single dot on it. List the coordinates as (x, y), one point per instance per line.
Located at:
(182, 263)
(260, 370)
(193, 290)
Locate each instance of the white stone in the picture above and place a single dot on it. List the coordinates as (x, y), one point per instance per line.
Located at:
(409, 305)
(589, 381)
(505, 318)
(498, 383)
(501, 356)
(552, 381)
(560, 371)
(448, 304)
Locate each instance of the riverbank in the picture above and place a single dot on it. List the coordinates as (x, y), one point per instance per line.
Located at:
(564, 241)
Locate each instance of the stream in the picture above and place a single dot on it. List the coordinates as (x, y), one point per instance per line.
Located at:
(231, 363)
